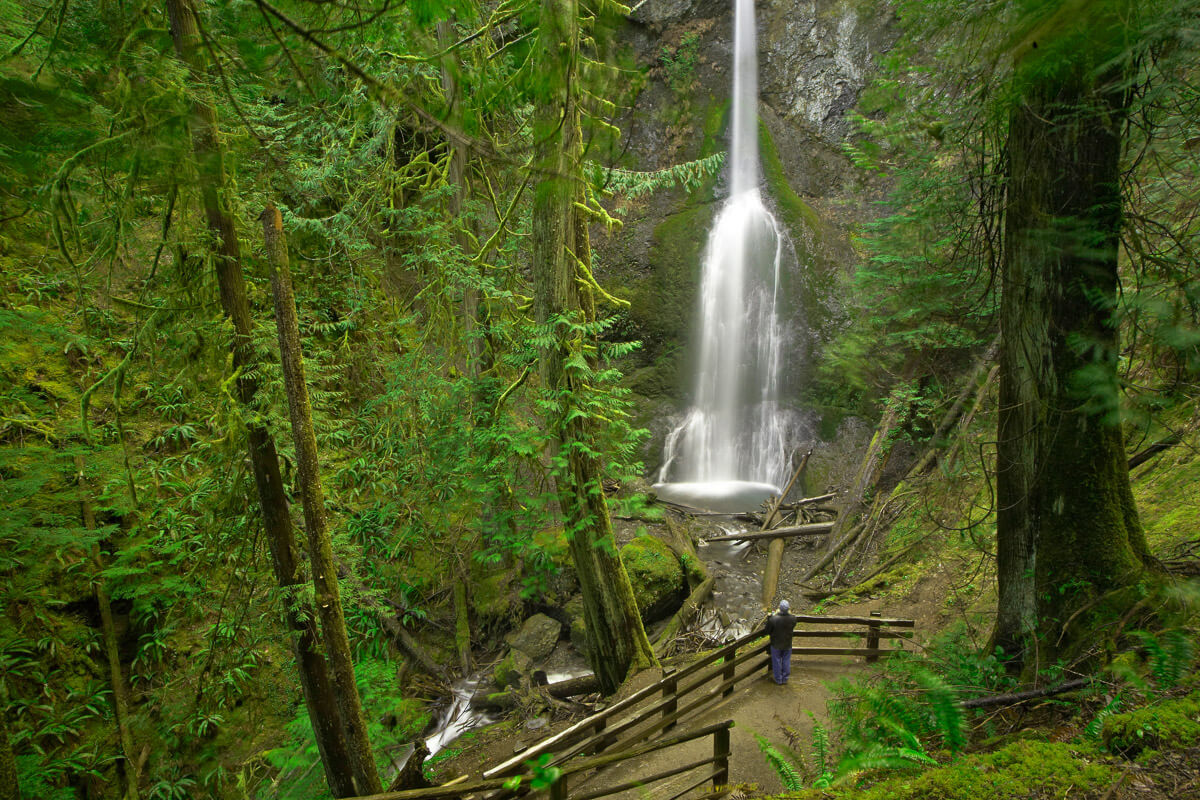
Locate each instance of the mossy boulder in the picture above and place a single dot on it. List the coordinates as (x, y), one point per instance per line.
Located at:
(1173, 723)
(657, 577)
(512, 669)
(537, 636)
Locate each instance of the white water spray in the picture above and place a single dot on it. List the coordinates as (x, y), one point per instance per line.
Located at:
(736, 430)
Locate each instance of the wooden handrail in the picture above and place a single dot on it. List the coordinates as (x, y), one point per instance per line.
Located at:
(566, 736)
(460, 789)
(593, 731)
(818, 619)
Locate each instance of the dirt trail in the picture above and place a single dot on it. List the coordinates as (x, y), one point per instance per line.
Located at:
(757, 706)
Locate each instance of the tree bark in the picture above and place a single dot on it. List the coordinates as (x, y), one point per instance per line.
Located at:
(615, 634)
(120, 686)
(314, 677)
(312, 497)
(1067, 528)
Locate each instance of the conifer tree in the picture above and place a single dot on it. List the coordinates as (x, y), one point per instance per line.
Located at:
(1067, 528)
(564, 306)
(345, 754)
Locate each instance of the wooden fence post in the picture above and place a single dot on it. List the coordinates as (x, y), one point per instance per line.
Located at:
(721, 757)
(602, 742)
(729, 671)
(873, 639)
(558, 789)
(670, 684)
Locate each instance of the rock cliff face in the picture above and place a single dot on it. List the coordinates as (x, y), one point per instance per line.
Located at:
(815, 57)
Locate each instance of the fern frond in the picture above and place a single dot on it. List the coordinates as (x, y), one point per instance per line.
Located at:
(1092, 729)
(820, 747)
(789, 776)
(948, 717)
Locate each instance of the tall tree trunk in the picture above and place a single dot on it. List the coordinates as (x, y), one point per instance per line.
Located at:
(1067, 528)
(120, 686)
(314, 676)
(475, 325)
(617, 641)
(312, 496)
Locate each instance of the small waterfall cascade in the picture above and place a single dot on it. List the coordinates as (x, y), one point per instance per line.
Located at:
(736, 430)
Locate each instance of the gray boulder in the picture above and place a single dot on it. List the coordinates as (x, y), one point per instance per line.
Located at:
(537, 636)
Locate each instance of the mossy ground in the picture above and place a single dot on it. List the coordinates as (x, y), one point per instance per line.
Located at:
(1174, 723)
(1023, 769)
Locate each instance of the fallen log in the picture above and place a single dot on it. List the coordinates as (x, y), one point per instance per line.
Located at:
(683, 617)
(1138, 459)
(775, 550)
(1021, 697)
(585, 684)
(817, 594)
(807, 501)
(811, 529)
(837, 548)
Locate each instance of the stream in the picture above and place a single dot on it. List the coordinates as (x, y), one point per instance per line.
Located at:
(731, 612)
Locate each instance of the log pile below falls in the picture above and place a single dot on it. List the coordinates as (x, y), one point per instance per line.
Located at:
(585, 684)
(811, 529)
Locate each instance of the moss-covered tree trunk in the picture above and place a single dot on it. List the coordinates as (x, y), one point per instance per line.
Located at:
(121, 694)
(617, 641)
(312, 497)
(314, 675)
(1067, 527)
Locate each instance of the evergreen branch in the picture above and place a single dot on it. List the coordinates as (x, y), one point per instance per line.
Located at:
(383, 88)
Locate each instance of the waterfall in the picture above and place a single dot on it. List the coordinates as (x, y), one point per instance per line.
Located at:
(735, 429)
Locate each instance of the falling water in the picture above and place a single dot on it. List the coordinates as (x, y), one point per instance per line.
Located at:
(736, 430)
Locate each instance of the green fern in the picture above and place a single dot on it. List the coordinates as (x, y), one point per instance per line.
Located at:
(948, 718)
(789, 776)
(1170, 655)
(1092, 729)
(880, 757)
(821, 750)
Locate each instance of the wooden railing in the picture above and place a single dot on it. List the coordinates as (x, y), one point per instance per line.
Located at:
(719, 775)
(597, 733)
(659, 707)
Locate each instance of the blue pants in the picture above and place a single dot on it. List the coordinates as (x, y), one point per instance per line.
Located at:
(781, 664)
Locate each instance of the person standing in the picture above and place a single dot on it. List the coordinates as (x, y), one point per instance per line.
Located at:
(779, 627)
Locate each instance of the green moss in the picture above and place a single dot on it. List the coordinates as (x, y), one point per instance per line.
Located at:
(1023, 769)
(494, 594)
(693, 569)
(656, 576)
(511, 668)
(714, 123)
(1173, 723)
(662, 306)
(553, 542)
(1168, 498)
(797, 215)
